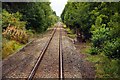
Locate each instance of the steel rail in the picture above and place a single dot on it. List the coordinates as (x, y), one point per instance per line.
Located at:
(32, 73)
(61, 77)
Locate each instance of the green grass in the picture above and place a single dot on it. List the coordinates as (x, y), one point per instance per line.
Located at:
(104, 67)
(84, 47)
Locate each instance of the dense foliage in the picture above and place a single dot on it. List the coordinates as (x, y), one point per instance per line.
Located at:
(39, 16)
(99, 22)
(22, 20)
(13, 28)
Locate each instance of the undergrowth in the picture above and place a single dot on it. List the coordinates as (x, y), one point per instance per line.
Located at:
(104, 66)
(70, 32)
(9, 47)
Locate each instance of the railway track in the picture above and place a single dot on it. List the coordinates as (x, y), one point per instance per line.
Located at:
(44, 59)
(41, 56)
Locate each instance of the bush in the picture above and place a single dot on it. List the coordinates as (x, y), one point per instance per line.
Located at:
(13, 19)
(112, 48)
(13, 33)
(93, 51)
(105, 67)
(13, 28)
(99, 36)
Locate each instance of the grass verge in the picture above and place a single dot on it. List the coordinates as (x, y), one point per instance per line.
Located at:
(105, 67)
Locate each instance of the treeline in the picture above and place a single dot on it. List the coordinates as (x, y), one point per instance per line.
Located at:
(98, 22)
(35, 17)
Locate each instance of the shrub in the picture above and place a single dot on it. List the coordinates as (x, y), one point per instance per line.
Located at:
(14, 29)
(13, 33)
(105, 67)
(99, 36)
(93, 51)
(112, 48)
(13, 19)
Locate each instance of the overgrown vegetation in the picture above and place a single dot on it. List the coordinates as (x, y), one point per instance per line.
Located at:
(9, 47)
(38, 16)
(22, 20)
(98, 22)
(105, 67)
(13, 28)
(70, 32)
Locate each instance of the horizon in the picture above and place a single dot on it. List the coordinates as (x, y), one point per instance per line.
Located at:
(58, 6)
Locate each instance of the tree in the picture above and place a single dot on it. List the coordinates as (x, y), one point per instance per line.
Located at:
(37, 14)
(99, 22)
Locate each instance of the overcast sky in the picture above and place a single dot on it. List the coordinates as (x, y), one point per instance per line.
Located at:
(58, 6)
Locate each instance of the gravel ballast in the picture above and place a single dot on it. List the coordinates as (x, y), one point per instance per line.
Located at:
(20, 64)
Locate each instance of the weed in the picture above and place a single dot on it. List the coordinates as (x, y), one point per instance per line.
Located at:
(9, 47)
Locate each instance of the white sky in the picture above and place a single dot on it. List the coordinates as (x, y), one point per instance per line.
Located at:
(58, 6)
